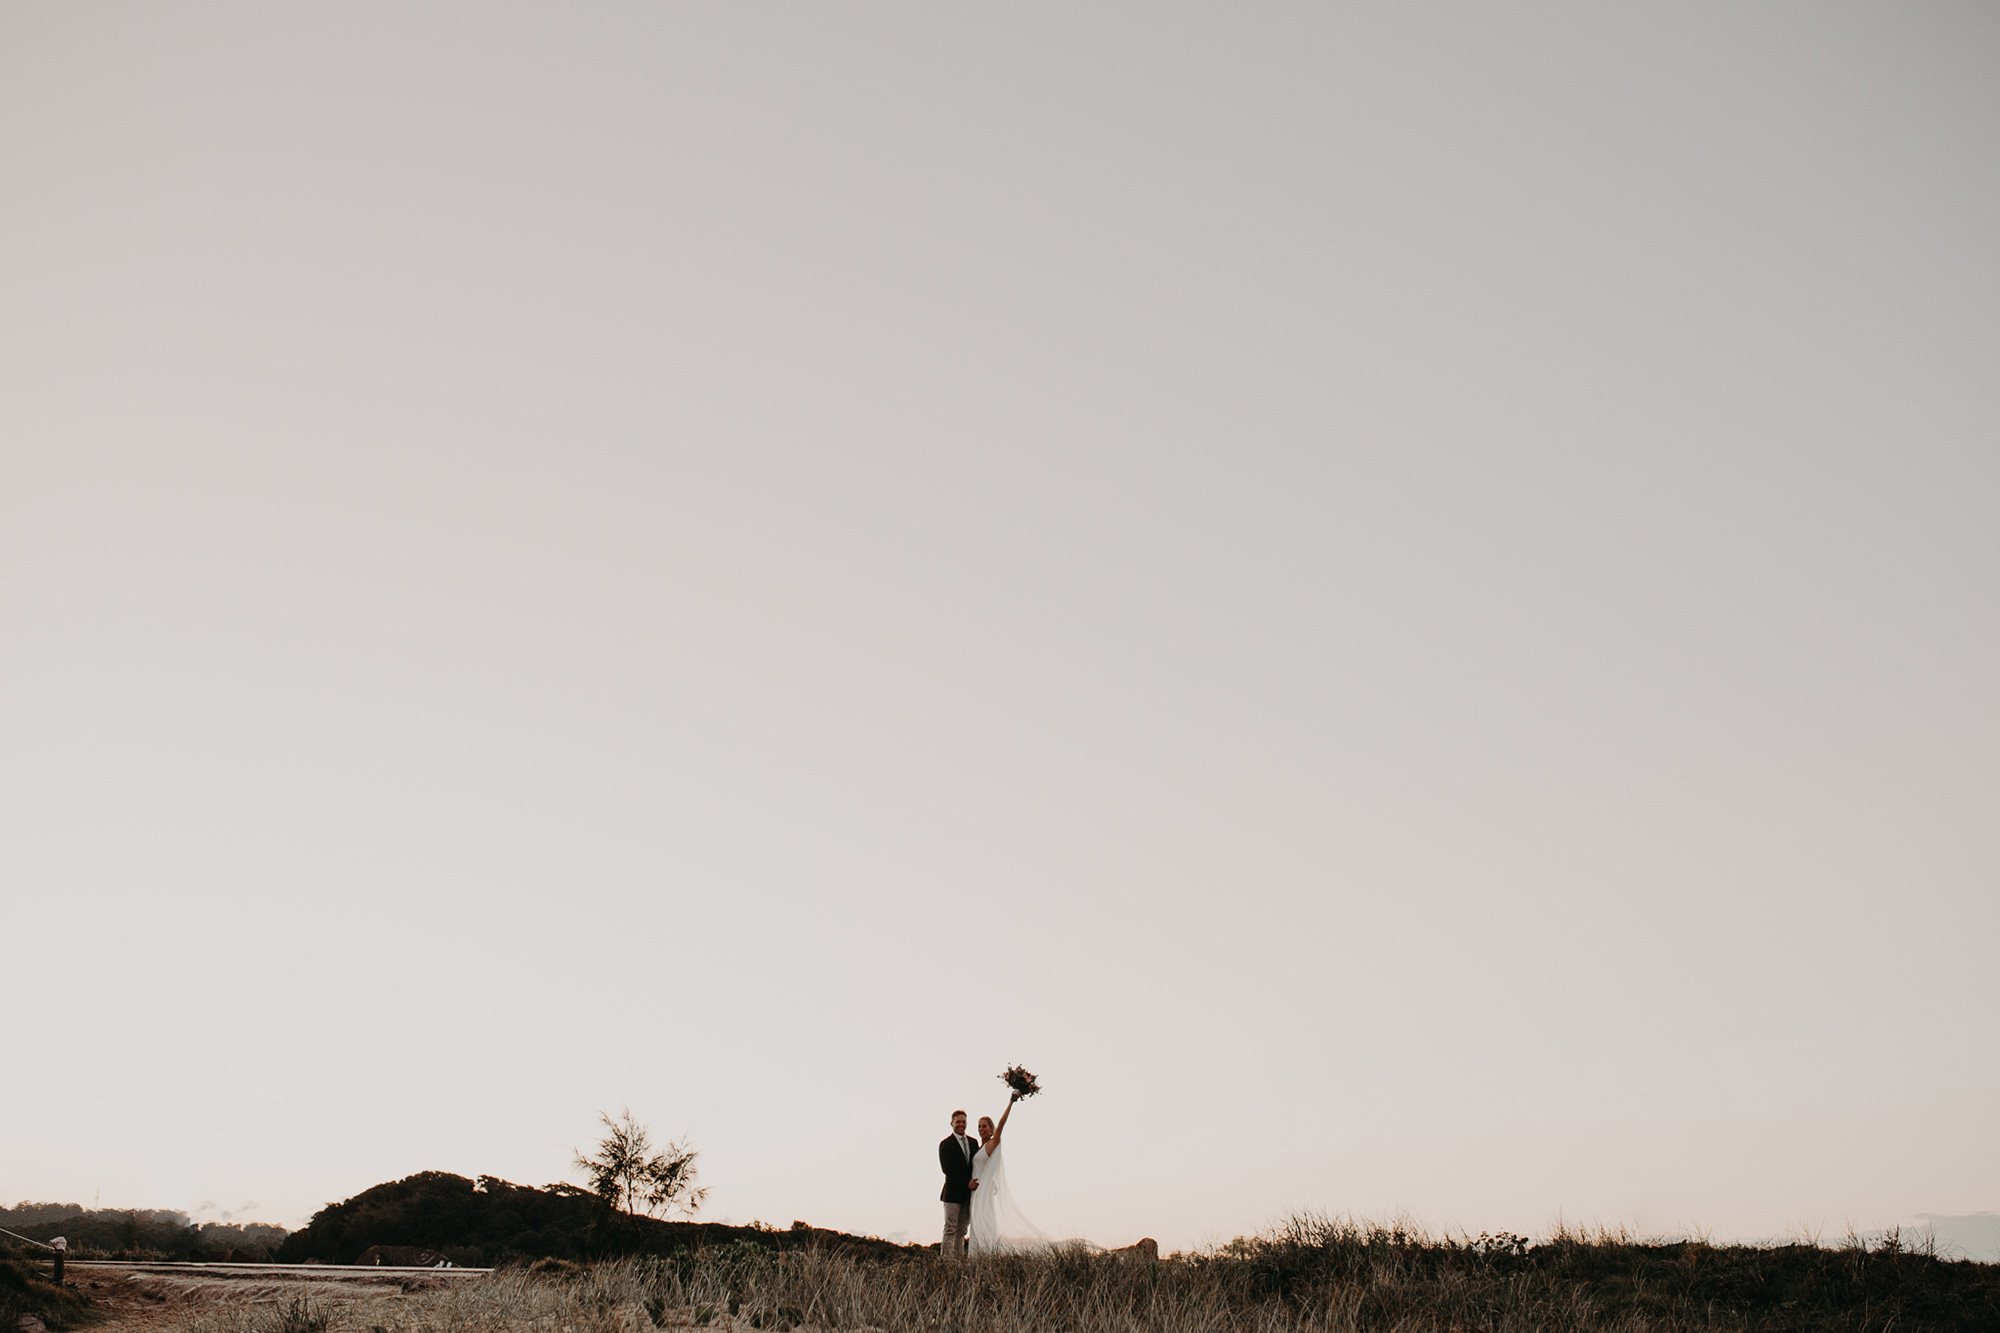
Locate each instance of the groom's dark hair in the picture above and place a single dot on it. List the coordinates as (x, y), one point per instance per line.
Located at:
(958, 1113)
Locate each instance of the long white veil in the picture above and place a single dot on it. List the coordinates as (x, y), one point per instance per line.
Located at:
(997, 1224)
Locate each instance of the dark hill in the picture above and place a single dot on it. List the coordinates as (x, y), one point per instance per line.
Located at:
(490, 1222)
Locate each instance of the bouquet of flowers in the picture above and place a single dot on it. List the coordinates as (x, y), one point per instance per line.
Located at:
(1021, 1081)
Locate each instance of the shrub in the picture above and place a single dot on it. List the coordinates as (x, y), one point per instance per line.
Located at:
(25, 1291)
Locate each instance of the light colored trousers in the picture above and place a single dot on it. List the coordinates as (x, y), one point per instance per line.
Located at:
(956, 1217)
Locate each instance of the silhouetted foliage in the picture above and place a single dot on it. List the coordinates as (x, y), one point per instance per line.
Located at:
(630, 1177)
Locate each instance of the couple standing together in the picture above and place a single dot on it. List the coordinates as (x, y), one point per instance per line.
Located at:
(977, 1202)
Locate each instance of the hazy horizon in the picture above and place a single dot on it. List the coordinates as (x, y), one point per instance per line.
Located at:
(1399, 601)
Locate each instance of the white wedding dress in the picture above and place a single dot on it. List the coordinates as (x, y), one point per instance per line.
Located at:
(997, 1225)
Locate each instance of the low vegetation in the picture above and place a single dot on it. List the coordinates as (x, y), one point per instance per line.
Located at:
(1311, 1275)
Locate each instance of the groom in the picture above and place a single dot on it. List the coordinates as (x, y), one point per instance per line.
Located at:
(955, 1158)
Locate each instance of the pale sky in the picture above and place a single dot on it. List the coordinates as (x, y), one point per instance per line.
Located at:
(1398, 599)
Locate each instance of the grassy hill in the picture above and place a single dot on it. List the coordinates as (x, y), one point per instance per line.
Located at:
(1312, 1276)
(486, 1222)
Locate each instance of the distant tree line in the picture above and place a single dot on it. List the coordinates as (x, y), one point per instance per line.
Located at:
(130, 1233)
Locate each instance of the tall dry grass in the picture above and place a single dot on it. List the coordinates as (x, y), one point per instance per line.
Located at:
(1313, 1275)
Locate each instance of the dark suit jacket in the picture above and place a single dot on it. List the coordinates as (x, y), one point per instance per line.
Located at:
(957, 1170)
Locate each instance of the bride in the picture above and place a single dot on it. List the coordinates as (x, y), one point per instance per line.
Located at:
(997, 1224)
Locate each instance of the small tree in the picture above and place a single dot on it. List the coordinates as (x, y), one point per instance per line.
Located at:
(629, 1176)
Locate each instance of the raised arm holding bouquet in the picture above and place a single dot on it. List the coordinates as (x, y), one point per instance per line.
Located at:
(989, 1133)
(1020, 1083)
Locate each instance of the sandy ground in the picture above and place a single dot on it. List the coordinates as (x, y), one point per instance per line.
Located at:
(147, 1297)
(166, 1298)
